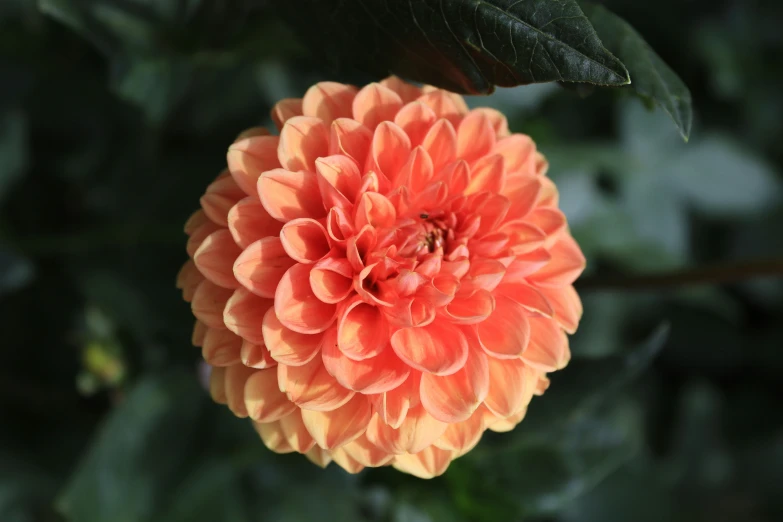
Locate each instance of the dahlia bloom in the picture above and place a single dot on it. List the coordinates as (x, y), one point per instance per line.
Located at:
(383, 281)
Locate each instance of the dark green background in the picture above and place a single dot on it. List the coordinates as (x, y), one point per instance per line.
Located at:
(110, 132)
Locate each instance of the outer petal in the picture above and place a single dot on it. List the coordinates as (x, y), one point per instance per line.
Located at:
(511, 385)
(415, 119)
(250, 157)
(389, 151)
(350, 138)
(518, 151)
(454, 398)
(566, 265)
(215, 258)
(392, 406)
(302, 140)
(362, 331)
(375, 104)
(345, 461)
(289, 195)
(548, 349)
(261, 266)
(506, 333)
(296, 433)
(305, 240)
(441, 144)
(272, 435)
(217, 385)
(311, 387)
(297, 307)
(437, 348)
(404, 90)
(249, 221)
(209, 300)
(462, 437)
(332, 429)
(417, 431)
(256, 356)
(367, 453)
(566, 305)
(221, 347)
(428, 463)
(286, 109)
(244, 314)
(329, 101)
(319, 456)
(236, 377)
(287, 346)
(263, 399)
(221, 195)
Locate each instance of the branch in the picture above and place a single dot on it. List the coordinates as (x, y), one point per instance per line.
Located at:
(706, 275)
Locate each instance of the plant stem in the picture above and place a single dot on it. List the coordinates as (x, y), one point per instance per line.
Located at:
(706, 275)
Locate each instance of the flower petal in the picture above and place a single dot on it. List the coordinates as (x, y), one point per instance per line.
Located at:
(287, 346)
(305, 240)
(528, 296)
(263, 399)
(367, 453)
(188, 280)
(487, 175)
(471, 308)
(296, 433)
(221, 347)
(418, 430)
(244, 314)
(462, 437)
(406, 91)
(319, 456)
(220, 196)
(215, 258)
(261, 266)
(329, 101)
(302, 140)
(566, 265)
(374, 104)
(248, 221)
(249, 158)
(286, 109)
(566, 305)
(236, 377)
(437, 348)
(506, 333)
(208, 303)
(475, 136)
(272, 435)
(454, 398)
(345, 461)
(389, 151)
(444, 105)
(350, 138)
(511, 385)
(217, 385)
(362, 331)
(548, 348)
(311, 387)
(339, 180)
(332, 429)
(392, 406)
(522, 192)
(518, 151)
(441, 144)
(256, 356)
(297, 307)
(376, 210)
(428, 463)
(289, 195)
(415, 119)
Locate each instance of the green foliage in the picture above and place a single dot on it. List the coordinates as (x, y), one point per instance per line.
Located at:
(114, 116)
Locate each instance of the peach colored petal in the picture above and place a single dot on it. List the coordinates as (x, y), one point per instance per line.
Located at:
(217, 385)
(461, 437)
(244, 313)
(287, 346)
(328, 101)
(456, 176)
(528, 296)
(496, 120)
(487, 175)
(522, 192)
(548, 348)
(428, 463)
(375, 210)
(475, 136)
(389, 151)
(188, 280)
(215, 258)
(296, 433)
(345, 461)
(350, 138)
(566, 265)
(511, 385)
(221, 195)
(199, 234)
(404, 90)
(319, 456)
(523, 237)
(331, 279)
(252, 132)
(507, 424)
(248, 158)
(248, 221)
(303, 139)
(286, 109)
(297, 307)
(374, 104)
(208, 303)
(542, 385)
(261, 266)
(272, 435)
(362, 331)
(338, 226)
(332, 429)
(367, 453)
(371, 375)
(525, 265)
(289, 195)
(441, 144)
(454, 398)
(437, 348)
(339, 180)
(392, 406)
(305, 240)
(416, 174)
(470, 308)
(417, 431)
(415, 119)
(195, 220)
(311, 387)
(236, 377)
(566, 305)
(256, 356)
(263, 399)
(549, 195)
(518, 151)
(486, 273)
(550, 220)
(506, 333)
(199, 332)
(221, 347)
(444, 105)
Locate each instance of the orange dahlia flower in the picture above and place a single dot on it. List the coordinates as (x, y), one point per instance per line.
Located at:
(384, 280)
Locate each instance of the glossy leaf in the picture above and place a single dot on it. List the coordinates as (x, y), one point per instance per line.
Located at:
(465, 46)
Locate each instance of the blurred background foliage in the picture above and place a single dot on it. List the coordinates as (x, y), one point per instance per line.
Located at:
(114, 116)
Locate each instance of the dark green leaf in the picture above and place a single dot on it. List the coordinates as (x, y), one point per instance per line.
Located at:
(467, 46)
(651, 78)
(130, 468)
